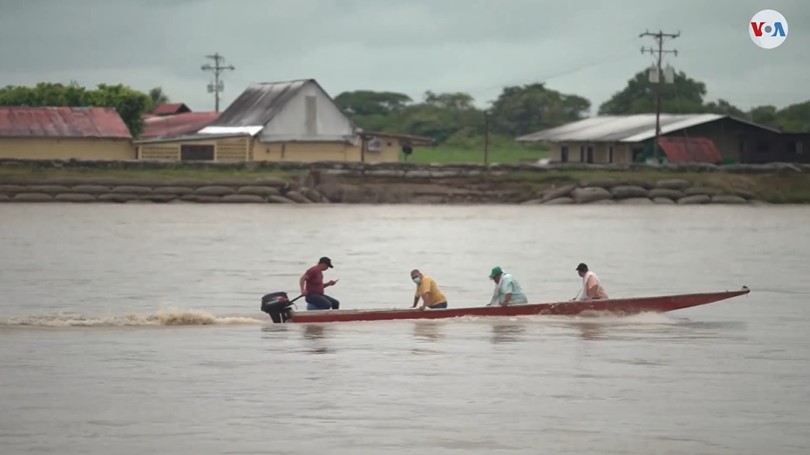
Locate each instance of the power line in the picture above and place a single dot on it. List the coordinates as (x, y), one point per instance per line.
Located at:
(659, 36)
(217, 69)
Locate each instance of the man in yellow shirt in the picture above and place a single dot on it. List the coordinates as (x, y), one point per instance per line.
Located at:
(428, 291)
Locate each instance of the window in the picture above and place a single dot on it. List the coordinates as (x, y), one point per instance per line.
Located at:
(564, 154)
(610, 154)
(799, 147)
(590, 154)
(581, 153)
(197, 152)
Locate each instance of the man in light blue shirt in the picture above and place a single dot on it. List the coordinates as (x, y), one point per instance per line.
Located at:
(507, 289)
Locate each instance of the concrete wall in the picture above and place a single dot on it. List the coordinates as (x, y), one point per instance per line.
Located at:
(389, 152)
(64, 149)
(230, 149)
(601, 152)
(245, 149)
(305, 151)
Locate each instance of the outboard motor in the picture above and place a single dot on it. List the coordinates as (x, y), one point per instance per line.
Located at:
(277, 305)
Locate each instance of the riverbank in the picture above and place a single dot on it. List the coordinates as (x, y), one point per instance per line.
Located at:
(305, 183)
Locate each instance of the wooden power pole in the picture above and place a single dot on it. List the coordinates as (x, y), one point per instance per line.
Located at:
(486, 136)
(217, 68)
(659, 37)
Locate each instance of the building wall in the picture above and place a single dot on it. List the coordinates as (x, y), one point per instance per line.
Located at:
(230, 149)
(785, 147)
(305, 151)
(309, 114)
(601, 152)
(67, 148)
(389, 152)
(725, 134)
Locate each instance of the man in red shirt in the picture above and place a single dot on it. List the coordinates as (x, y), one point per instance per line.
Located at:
(312, 287)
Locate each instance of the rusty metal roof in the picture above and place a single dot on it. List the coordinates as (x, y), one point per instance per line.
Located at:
(177, 125)
(171, 109)
(624, 128)
(259, 103)
(62, 122)
(690, 150)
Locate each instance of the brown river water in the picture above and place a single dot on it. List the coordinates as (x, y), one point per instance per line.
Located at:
(134, 329)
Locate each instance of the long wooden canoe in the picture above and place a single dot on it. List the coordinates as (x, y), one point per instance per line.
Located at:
(622, 307)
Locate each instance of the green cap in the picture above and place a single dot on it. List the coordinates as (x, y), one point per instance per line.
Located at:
(495, 272)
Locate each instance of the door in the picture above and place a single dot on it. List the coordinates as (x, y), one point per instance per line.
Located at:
(197, 152)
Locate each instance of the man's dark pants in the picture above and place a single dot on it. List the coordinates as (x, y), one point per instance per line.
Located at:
(321, 302)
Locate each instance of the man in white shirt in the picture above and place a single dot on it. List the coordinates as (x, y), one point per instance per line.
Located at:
(507, 289)
(591, 287)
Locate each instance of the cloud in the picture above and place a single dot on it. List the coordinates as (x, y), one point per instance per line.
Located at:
(410, 46)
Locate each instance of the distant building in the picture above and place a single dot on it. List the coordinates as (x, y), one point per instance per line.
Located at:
(170, 109)
(275, 121)
(684, 138)
(62, 133)
(173, 125)
(385, 146)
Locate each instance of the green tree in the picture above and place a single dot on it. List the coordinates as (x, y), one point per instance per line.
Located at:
(157, 97)
(795, 118)
(683, 96)
(723, 107)
(130, 104)
(764, 115)
(368, 103)
(528, 108)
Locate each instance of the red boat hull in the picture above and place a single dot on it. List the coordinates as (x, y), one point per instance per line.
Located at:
(637, 305)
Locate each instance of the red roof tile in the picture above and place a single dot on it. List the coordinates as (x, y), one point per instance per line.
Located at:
(82, 122)
(695, 149)
(171, 109)
(177, 125)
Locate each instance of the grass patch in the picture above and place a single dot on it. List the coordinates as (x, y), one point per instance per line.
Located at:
(502, 149)
(448, 155)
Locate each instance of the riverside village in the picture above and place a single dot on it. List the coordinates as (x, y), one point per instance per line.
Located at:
(294, 142)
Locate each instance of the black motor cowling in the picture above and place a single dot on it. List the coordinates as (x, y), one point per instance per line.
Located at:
(277, 305)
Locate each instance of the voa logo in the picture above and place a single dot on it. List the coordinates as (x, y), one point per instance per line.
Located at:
(768, 29)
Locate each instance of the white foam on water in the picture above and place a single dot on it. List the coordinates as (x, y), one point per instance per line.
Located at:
(163, 317)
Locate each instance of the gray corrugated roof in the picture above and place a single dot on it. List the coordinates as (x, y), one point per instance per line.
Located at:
(622, 128)
(259, 103)
(189, 138)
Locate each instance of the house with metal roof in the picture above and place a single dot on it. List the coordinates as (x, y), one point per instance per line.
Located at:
(174, 125)
(62, 133)
(170, 109)
(683, 138)
(275, 121)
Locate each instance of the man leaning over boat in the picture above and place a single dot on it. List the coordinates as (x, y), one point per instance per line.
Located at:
(591, 287)
(428, 291)
(507, 290)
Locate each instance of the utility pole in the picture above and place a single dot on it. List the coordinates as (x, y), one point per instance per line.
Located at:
(660, 38)
(486, 136)
(217, 69)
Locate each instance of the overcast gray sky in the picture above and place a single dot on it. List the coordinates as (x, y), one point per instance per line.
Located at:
(585, 47)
